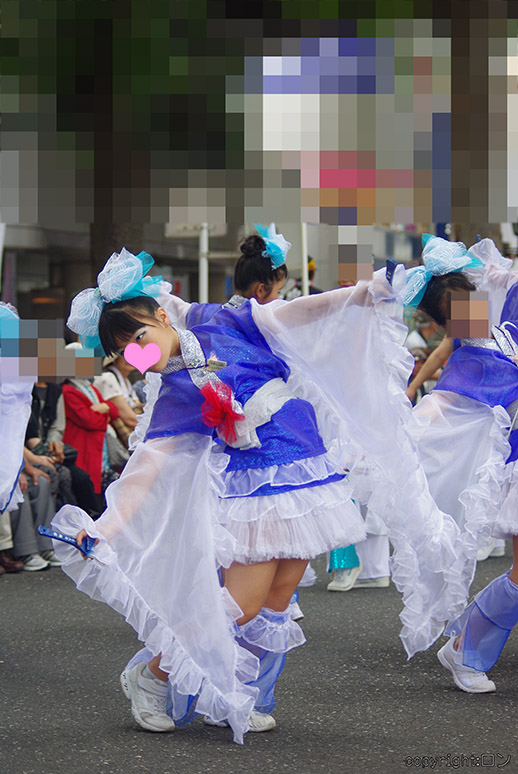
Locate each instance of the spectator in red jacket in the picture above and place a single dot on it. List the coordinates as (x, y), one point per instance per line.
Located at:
(87, 417)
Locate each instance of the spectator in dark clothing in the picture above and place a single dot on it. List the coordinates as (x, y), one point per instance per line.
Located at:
(44, 437)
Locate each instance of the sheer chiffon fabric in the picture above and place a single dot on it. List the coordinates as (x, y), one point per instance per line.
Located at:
(495, 278)
(346, 355)
(156, 563)
(463, 446)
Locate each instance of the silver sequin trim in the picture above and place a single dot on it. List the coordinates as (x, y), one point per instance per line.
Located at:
(481, 343)
(235, 302)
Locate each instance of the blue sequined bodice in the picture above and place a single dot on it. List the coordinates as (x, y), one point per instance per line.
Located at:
(232, 336)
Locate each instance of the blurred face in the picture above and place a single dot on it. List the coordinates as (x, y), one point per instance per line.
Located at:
(155, 331)
(467, 314)
(354, 271)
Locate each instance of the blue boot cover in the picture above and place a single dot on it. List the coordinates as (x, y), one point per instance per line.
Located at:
(486, 623)
(269, 636)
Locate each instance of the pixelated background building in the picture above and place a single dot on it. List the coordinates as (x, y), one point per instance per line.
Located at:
(132, 123)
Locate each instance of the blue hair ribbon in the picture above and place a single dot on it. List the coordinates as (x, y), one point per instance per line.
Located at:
(276, 245)
(440, 256)
(123, 277)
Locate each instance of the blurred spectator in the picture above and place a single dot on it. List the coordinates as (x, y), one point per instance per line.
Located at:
(87, 418)
(38, 508)
(424, 335)
(114, 385)
(44, 437)
(296, 289)
(7, 561)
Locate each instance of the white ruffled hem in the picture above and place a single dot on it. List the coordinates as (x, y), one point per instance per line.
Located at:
(506, 524)
(103, 580)
(276, 636)
(300, 524)
(481, 501)
(241, 483)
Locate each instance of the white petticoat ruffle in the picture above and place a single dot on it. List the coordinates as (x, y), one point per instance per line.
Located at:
(300, 524)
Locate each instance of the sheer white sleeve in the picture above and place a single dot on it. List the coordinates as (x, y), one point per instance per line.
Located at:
(176, 307)
(495, 278)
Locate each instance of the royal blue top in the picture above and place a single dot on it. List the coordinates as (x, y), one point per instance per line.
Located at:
(485, 375)
(232, 336)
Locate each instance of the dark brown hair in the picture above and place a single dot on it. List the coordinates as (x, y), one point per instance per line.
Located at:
(434, 301)
(118, 321)
(253, 266)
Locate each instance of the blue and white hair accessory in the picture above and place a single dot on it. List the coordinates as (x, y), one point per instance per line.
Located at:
(276, 246)
(121, 279)
(439, 257)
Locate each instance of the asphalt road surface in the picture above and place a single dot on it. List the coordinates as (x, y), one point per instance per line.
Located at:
(347, 701)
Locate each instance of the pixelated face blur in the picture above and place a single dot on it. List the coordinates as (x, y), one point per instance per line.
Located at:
(155, 331)
(352, 272)
(467, 314)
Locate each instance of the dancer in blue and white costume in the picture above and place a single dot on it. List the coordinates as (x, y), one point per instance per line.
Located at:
(474, 406)
(15, 410)
(258, 413)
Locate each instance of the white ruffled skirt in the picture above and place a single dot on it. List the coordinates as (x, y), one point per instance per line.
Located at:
(301, 523)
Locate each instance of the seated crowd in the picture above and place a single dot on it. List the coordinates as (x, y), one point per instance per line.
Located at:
(76, 444)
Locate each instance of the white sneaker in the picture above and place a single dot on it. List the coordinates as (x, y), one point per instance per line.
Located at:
(465, 678)
(34, 563)
(295, 612)
(51, 558)
(497, 551)
(257, 722)
(343, 580)
(485, 551)
(148, 699)
(372, 583)
(309, 578)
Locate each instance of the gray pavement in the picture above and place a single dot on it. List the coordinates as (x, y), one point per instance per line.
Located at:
(347, 701)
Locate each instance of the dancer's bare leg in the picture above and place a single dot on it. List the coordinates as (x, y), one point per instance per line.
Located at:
(253, 586)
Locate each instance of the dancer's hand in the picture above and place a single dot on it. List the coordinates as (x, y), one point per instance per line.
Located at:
(81, 536)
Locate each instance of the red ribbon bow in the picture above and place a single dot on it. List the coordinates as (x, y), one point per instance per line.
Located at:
(217, 411)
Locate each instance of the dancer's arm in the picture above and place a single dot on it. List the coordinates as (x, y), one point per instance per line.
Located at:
(434, 361)
(126, 495)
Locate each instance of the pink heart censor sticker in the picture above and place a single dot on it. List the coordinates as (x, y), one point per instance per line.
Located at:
(142, 357)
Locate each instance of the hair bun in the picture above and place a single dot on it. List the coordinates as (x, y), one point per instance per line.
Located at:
(253, 246)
